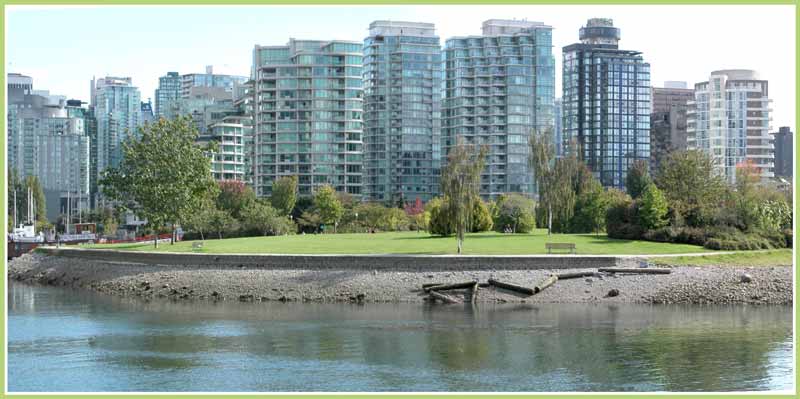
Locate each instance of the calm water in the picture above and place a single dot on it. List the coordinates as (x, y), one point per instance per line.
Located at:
(65, 340)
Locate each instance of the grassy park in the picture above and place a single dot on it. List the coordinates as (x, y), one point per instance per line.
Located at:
(778, 257)
(489, 243)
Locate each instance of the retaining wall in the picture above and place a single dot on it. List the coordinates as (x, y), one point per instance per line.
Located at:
(344, 262)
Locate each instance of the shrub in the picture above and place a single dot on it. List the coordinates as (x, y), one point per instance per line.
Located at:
(691, 235)
(481, 217)
(514, 212)
(621, 222)
(788, 236)
(439, 224)
(652, 208)
(664, 234)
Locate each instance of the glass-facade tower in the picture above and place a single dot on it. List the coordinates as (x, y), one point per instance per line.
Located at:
(167, 95)
(402, 93)
(498, 90)
(117, 110)
(606, 103)
(308, 115)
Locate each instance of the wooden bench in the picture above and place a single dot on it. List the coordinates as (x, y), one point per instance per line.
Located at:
(197, 245)
(550, 246)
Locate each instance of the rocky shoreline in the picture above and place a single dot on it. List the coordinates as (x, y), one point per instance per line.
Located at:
(685, 285)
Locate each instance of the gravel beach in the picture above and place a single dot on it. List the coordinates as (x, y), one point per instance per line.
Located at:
(685, 285)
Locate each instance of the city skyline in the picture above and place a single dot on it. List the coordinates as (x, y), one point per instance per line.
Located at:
(30, 46)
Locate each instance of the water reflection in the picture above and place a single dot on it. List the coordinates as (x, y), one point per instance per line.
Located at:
(65, 340)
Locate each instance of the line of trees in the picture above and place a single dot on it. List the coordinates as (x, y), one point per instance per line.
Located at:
(165, 177)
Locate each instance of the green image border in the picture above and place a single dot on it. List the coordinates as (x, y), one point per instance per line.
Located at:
(3, 182)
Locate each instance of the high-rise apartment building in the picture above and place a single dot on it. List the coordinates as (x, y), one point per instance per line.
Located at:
(147, 112)
(668, 121)
(118, 110)
(402, 100)
(209, 79)
(784, 146)
(558, 134)
(307, 120)
(606, 102)
(498, 90)
(47, 139)
(729, 120)
(167, 95)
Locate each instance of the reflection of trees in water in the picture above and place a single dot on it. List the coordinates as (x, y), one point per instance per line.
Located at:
(693, 360)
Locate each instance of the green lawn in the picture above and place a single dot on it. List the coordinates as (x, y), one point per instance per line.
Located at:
(759, 258)
(418, 243)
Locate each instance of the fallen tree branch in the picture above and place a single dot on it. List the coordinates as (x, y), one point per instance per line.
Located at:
(566, 276)
(635, 270)
(445, 287)
(511, 287)
(546, 283)
(444, 298)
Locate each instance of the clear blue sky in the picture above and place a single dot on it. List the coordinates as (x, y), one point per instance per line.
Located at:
(63, 47)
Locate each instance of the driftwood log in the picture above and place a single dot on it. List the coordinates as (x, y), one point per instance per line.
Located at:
(566, 276)
(445, 287)
(426, 285)
(635, 270)
(546, 283)
(511, 287)
(444, 298)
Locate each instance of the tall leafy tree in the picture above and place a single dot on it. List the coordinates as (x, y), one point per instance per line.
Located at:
(460, 183)
(543, 161)
(652, 208)
(638, 178)
(234, 197)
(691, 186)
(284, 194)
(514, 212)
(163, 172)
(328, 206)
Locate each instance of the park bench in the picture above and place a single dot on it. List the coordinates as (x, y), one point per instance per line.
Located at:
(196, 246)
(550, 246)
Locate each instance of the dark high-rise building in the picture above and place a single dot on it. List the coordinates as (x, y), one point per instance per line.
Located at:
(668, 121)
(402, 137)
(784, 144)
(606, 102)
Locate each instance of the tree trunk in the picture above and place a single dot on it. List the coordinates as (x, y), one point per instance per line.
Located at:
(634, 270)
(219, 233)
(459, 245)
(155, 238)
(172, 238)
(446, 287)
(444, 298)
(201, 236)
(546, 283)
(549, 218)
(511, 287)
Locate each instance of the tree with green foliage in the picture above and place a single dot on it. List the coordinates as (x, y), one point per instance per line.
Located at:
(542, 160)
(221, 222)
(266, 219)
(691, 186)
(515, 213)
(328, 206)
(284, 194)
(590, 209)
(460, 184)
(234, 197)
(164, 172)
(438, 221)
(481, 217)
(200, 220)
(652, 208)
(309, 221)
(638, 178)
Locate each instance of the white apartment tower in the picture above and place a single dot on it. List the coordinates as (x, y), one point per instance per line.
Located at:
(729, 120)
